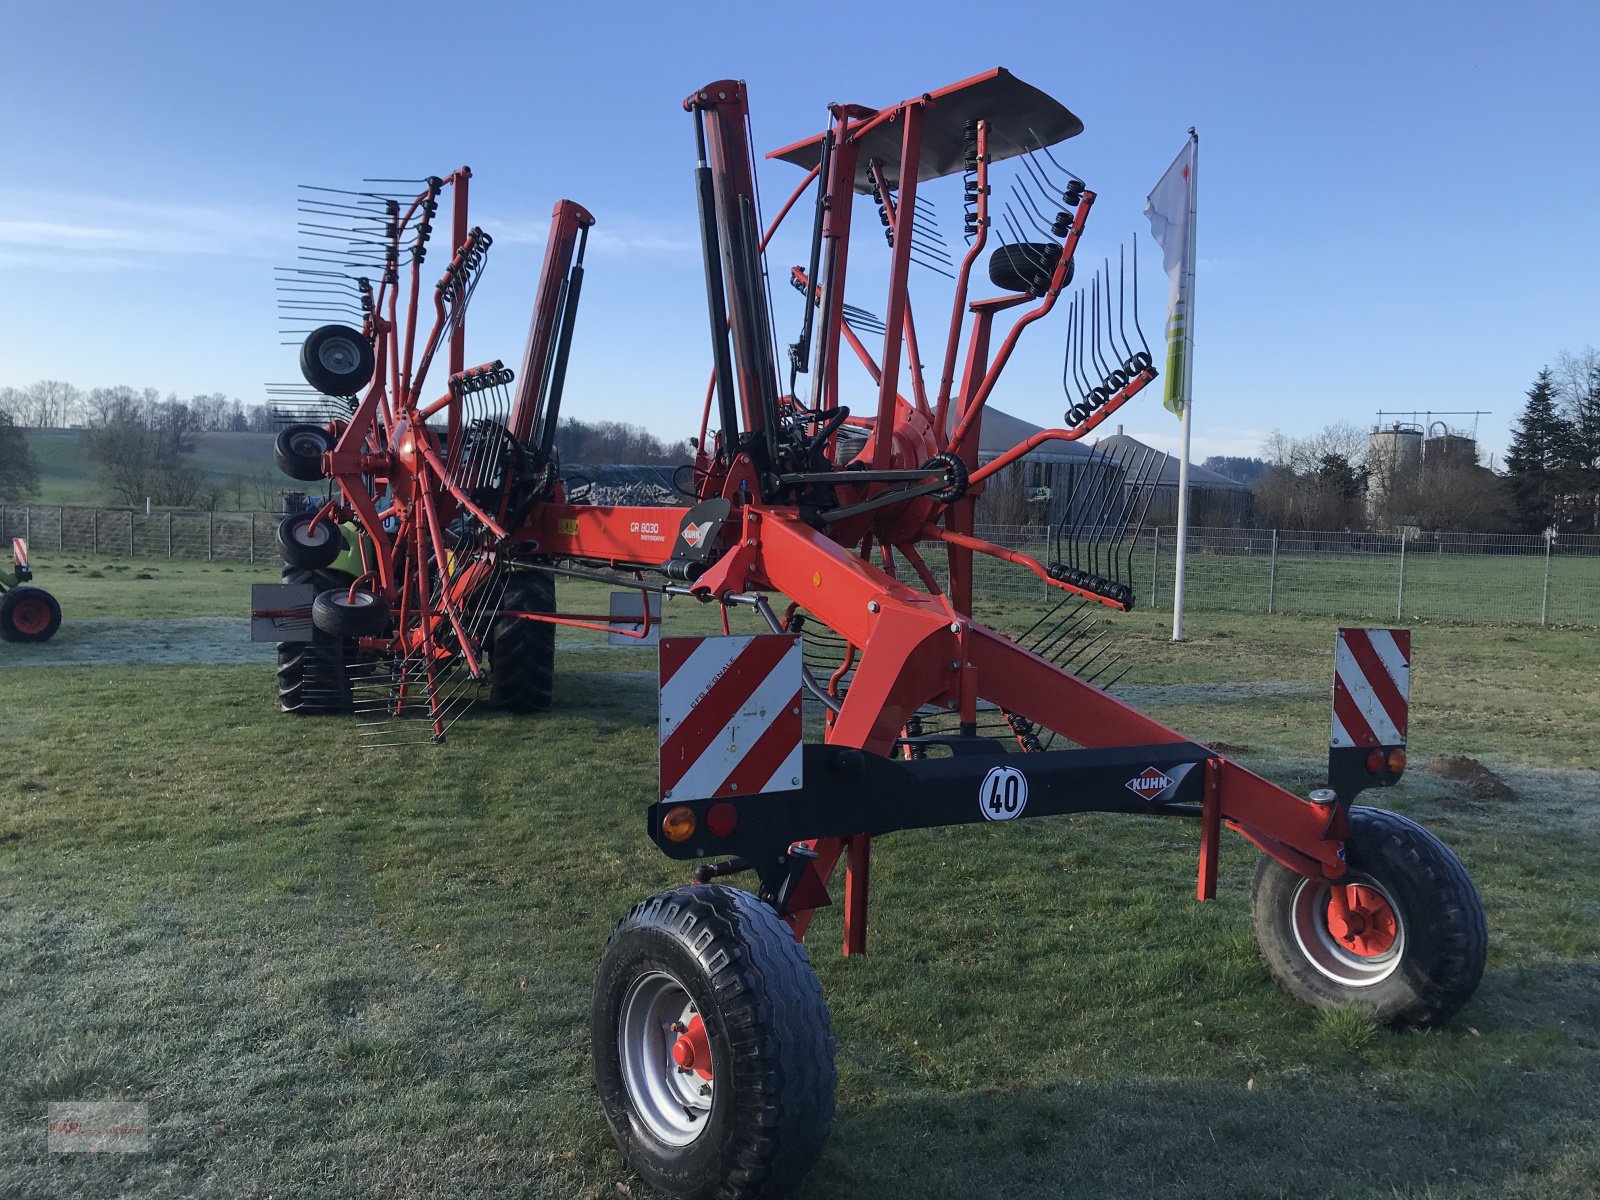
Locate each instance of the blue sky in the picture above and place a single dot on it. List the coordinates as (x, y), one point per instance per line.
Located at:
(1396, 200)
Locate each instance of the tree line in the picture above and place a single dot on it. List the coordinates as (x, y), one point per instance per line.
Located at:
(52, 404)
(142, 444)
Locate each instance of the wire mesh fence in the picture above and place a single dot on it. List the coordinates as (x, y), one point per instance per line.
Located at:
(1474, 577)
(129, 533)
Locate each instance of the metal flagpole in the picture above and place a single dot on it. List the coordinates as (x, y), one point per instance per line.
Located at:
(1188, 398)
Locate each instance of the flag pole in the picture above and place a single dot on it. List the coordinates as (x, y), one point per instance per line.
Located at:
(1179, 561)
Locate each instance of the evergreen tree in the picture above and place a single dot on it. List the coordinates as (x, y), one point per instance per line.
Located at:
(19, 474)
(1540, 455)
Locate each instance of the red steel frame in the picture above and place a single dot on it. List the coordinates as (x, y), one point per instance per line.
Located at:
(909, 647)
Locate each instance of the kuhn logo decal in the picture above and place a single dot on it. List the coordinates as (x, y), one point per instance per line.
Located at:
(1149, 782)
(693, 535)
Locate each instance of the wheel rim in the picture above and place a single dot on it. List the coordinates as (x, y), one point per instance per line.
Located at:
(31, 617)
(656, 1030)
(311, 535)
(339, 355)
(307, 445)
(361, 600)
(1368, 951)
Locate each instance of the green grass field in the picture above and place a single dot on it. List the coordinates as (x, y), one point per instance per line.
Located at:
(336, 973)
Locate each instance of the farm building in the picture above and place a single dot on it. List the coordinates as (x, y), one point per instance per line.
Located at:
(1039, 489)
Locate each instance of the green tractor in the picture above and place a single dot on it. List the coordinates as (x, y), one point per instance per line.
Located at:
(27, 613)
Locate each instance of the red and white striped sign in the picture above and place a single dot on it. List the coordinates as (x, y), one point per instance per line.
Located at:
(19, 552)
(730, 715)
(1371, 687)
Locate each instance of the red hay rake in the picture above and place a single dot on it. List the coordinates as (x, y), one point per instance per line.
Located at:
(711, 1040)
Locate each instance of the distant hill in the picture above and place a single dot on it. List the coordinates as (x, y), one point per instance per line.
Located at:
(239, 464)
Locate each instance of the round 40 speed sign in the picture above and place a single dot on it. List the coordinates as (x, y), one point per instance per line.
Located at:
(1004, 794)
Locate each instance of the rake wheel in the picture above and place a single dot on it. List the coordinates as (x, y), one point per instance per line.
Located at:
(712, 1049)
(522, 653)
(1411, 947)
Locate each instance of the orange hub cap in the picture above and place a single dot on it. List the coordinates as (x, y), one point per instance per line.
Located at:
(1368, 925)
(692, 1050)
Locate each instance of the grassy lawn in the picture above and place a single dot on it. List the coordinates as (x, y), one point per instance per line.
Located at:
(332, 973)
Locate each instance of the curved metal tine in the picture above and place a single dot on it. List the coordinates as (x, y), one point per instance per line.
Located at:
(930, 232)
(930, 266)
(1122, 296)
(1066, 356)
(1132, 489)
(1142, 342)
(1111, 345)
(1014, 223)
(1045, 150)
(1013, 227)
(1036, 218)
(312, 271)
(1082, 376)
(364, 211)
(1046, 185)
(316, 287)
(312, 187)
(1088, 516)
(1094, 340)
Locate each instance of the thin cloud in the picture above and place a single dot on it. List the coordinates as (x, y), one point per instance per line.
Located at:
(78, 232)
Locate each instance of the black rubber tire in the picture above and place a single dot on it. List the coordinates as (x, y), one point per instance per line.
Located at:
(334, 612)
(298, 451)
(337, 360)
(773, 1075)
(302, 546)
(314, 677)
(21, 609)
(1433, 967)
(1025, 266)
(522, 654)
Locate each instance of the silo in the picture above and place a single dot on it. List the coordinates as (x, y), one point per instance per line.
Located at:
(1443, 448)
(1394, 458)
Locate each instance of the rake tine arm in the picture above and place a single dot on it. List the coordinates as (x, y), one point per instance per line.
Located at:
(941, 410)
(974, 405)
(914, 364)
(465, 500)
(1134, 387)
(440, 556)
(934, 533)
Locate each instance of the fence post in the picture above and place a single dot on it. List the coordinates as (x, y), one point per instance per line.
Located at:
(130, 533)
(1544, 600)
(211, 536)
(1155, 565)
(94, 530)
(1400, 600)
(1272, 573)
(252, 537)
(27, 526)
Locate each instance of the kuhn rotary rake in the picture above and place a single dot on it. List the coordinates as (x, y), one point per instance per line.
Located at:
(711, 1042)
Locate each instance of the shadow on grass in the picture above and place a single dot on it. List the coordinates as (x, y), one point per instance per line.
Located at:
(1495, 1130)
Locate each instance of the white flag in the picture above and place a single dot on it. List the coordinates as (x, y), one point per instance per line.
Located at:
(1170, 208)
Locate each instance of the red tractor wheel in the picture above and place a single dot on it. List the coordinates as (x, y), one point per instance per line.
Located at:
(29, 614)
(712, 1050)
(1402, 937)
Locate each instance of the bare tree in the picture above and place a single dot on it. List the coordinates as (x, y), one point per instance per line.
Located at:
(50, 403)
